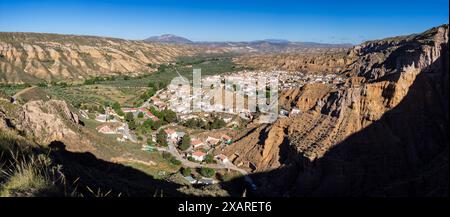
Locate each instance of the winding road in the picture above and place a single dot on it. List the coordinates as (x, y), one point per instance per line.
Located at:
(174, 151)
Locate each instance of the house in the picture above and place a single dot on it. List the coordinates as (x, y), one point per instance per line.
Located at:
(101, 118)
(198, 155)
(190, 179)
(295, 111)
(171, 134)
(160, 105)
(110, 111)
(222, 158)
(284, 112)
(110, 128)
(105, 129)
(180, 134)
(226, 139)
(196, 143)
(207, 181)
(227, 120)
(212, 141)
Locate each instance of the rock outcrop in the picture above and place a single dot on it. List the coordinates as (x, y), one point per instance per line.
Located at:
(44, 122)
(383, 132)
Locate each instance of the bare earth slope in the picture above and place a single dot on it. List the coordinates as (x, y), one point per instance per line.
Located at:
(383, 132)
(31, 57)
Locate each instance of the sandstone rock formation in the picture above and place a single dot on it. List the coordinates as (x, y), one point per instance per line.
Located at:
(31, 57)
(44, 122)
(383, 132)
(322, 62)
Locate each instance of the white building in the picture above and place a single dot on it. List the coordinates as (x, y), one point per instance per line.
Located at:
(199, 155)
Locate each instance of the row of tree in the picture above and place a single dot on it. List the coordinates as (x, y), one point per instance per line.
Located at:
(198, 123)
(204, 171)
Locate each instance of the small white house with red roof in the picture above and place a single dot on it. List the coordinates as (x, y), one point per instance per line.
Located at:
(198, 155)
(212, 141)
(105, 129)
(171, 134)
(196, 143)
(222, 158)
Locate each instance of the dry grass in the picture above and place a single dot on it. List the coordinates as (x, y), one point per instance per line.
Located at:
(30, 175)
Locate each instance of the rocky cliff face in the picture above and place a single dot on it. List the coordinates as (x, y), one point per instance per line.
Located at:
(32, 57)
(44, 122)
(381, 133)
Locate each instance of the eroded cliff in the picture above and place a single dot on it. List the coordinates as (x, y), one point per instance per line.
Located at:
(382, 132)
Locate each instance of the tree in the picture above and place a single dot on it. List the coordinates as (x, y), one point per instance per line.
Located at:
(132, 125)
(185, 143)
(116, 106)
(120, 113)
(207, 172)
(169, 115)
(157, 124)
(161, 138)
(140, 115)
(217, 123)
(148, 124)
(129, 117)
(155, 112)
(209, 159)
(186, 171)
(175, 162)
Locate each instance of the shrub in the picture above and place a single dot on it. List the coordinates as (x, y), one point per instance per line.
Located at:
(185, 142)
(175, 162)
(186, 171)
(209, 159)
(161, 138)
(207, 172)
(129, 117)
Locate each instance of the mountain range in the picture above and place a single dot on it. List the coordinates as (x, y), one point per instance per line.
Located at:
(265, 45)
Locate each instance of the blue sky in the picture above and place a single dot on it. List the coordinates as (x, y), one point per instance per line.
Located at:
(215, 20)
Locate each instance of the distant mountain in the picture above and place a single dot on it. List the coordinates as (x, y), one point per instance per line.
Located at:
(169, 38)
(277, 46)
(274, 41)
(265, 46)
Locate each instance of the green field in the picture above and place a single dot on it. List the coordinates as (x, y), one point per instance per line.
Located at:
(128, 90)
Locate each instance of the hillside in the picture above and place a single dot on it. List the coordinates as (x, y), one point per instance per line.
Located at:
(381, 133)
(319, 61)
(36, 57)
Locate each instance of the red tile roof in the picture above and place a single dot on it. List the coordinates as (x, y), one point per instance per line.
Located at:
(199, 153)
(169, 131)
(196, 142)
(226, 137)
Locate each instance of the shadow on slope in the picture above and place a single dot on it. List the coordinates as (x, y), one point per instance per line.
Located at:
(405, 153)
(85, 171)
